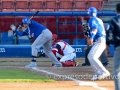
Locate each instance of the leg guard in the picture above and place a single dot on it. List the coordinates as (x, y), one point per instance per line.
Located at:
(69, 63)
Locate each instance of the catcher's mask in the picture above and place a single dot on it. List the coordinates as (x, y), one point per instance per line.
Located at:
(54, 38)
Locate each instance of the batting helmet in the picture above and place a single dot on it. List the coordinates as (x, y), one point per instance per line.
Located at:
(92, 11)
(25, 20)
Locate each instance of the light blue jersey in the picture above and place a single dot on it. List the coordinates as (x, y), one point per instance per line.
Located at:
(96, 23)
(99, 45)
(33, 30)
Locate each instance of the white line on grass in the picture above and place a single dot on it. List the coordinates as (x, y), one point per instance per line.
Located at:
(79, 82)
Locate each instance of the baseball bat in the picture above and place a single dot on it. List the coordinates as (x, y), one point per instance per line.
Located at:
(34, 14)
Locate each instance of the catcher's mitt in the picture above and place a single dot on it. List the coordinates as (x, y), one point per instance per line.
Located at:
(86, 29)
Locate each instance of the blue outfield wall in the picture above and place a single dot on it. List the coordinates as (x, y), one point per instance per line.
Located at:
(24, 51)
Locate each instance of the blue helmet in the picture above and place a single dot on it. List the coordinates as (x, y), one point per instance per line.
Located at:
(92, 11)
(25, 20)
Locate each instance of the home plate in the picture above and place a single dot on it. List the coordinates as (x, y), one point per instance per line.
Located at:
(93, 84)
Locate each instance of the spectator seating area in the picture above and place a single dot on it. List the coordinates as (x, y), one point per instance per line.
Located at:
(7, 38)
(49, 5)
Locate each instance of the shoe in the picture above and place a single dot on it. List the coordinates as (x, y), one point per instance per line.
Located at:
(105, 64)
(54, 65)
(31, 65)
(41, 54)
(104, 75)
(77, 64)
(57, 65)
(84, 64)
(95, 77)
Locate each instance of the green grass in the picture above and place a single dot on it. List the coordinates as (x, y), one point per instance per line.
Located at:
(18, 75)
(110, 70)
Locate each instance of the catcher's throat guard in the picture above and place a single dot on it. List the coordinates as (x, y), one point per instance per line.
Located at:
(85, 26)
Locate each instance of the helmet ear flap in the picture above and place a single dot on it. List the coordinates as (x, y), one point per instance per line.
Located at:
(92, 11)
(25, 20)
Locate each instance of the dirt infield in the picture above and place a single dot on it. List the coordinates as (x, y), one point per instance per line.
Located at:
(59, 74)
(58, 85)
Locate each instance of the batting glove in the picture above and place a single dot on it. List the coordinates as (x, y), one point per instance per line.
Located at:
(13, 27)
(19, 26)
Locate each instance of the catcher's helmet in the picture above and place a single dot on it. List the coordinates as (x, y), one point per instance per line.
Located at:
(54, 36)
(92, 11)
(25, 20)
(54, 39)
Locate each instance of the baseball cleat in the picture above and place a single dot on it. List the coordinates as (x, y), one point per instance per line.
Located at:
(103, 76)
(77, 64)
(84, 64)
(105, 64)
(31, 65)
(95, 77)
(57, 65)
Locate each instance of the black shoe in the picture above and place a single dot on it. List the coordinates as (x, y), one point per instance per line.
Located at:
(105, 64)
(43, 54)
(85, 64)
(40, 54)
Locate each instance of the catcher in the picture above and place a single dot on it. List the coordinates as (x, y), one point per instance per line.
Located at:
(64, 52)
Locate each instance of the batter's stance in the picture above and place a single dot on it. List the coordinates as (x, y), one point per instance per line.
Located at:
(97, 34)
(42, 36)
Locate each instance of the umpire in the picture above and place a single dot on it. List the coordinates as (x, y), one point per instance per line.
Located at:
(113, 32)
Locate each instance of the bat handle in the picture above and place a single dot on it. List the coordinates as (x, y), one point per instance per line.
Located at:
(30, 18)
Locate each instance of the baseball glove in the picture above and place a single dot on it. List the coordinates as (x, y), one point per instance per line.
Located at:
(86, 29)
